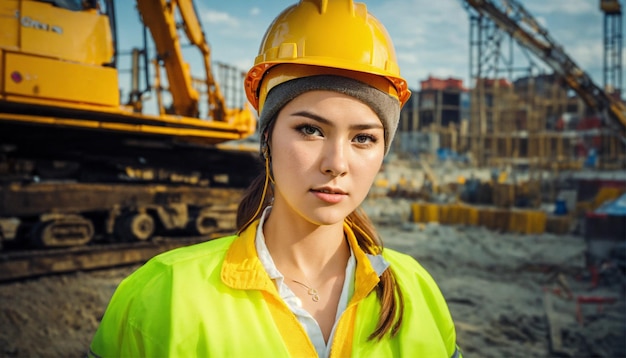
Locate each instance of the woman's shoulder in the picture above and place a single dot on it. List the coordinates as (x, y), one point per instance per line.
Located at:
(201, 251)
(409, 272)
(402, 262)
(178, 280)
(187, 261)
(420, 289)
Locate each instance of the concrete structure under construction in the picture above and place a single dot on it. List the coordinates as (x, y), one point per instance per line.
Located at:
(434, 117)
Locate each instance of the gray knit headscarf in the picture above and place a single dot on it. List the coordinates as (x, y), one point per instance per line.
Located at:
(385, 106)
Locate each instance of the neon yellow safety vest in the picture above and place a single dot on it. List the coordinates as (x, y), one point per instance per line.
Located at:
(215, 299)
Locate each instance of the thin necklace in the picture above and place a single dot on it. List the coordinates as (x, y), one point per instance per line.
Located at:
(311, 291)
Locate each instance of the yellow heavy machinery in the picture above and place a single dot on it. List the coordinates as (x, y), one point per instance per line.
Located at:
(75, 160)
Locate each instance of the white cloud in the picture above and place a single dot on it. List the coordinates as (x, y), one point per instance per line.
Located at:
(220, 18)
(407, 57)
(586, 54)
(569, 7)
(427, 35)
(431, 37)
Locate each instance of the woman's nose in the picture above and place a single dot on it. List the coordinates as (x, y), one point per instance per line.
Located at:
(335, 159)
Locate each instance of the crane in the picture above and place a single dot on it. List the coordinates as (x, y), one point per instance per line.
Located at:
(512, 17)
(612, 10)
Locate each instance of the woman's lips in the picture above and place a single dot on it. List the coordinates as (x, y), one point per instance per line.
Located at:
(329, 195)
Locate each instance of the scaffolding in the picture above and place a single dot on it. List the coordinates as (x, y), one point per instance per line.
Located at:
(519, 115)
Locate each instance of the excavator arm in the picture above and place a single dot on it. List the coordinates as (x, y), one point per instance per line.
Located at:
(515, 20)
(195, 34)
(159, 17)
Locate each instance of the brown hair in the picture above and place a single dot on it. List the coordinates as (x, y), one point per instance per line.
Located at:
(388, 292)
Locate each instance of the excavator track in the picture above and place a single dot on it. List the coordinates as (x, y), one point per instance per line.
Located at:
(24, 264)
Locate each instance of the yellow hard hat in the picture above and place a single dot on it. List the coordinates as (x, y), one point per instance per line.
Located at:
(326, 37)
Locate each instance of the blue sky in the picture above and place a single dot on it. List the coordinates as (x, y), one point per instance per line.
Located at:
(431, 37)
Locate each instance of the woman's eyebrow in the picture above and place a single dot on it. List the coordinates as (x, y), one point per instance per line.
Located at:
(322, 120)
(312, 116)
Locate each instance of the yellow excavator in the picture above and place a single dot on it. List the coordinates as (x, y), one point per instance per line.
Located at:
(77, 161)
(59, 59)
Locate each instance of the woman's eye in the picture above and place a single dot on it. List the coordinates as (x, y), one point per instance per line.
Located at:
(309, 130)
(364, 139)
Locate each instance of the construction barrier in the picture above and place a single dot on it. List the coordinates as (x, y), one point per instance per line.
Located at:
(504, 195)
(559, 224)
(528, 221)
(444, 214)
(430, 213)
(470, 215)
(493, 218)
(486, 218)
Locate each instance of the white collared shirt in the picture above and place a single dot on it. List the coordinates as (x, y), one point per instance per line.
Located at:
(309, 323)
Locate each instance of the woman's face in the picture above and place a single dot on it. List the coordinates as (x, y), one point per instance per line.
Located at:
(326, 149)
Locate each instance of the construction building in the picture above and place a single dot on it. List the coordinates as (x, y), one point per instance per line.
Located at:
(523, 116)
(519, 115)
(435, 117)
(531, 121)
(534, 121)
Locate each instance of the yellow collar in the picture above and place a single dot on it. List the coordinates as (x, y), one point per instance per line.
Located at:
(243, 270)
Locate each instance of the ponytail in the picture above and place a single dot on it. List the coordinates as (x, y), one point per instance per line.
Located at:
(255, 199)
(387, 290)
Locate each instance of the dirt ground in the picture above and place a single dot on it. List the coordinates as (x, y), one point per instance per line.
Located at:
(508, 294)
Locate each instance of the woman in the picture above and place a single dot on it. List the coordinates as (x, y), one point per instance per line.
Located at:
(306, 275)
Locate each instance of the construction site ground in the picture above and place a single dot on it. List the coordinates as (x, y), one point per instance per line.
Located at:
(510, 294)
(505, 292)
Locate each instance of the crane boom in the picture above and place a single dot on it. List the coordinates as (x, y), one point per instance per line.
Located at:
(159, 17)
(521, 25)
